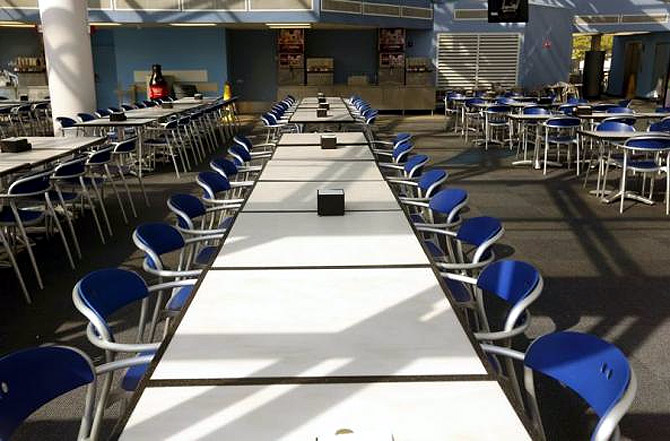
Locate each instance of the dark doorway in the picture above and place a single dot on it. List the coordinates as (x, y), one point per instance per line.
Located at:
(632, 68)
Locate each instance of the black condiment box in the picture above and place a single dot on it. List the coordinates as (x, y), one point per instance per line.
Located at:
(321, 113)
(324, 106)
(330, 202)
(167, 105)
(328, 142)
(117, 117)
(583, 110)
(15, 145)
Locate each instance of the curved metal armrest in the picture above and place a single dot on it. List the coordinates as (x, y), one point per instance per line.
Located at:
(260, 155)
(400, 181)
(461, 266)
(118, 347)
(235, 184)
(217, 231)
(250, 168)
(414, 199)
(123, 364)
(173, 284)
(203, 238)
(382, 152)
(381, 142)
(501, 335)
(390, 165)
(505, 352)
(459, 278)
(414, 203)
(431, 228)
(170, 273)
(266, 144)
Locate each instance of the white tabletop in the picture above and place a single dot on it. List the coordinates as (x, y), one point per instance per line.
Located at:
(347, 138)
(301, 196)
(367, 322)
(329, 99)
(321, 171)
(45, 149)
(334, 105)
(278, 240)
(414, 411)
(130, 122)
(332, 116)
(316, 153)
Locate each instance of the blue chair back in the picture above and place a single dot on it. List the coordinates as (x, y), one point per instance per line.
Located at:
(243, 141)
(431, 180)
(187, 207)
(603, 107)
(65, 122)
(479, 230)
(614, 126)
(446, 201)
(240, 153)
(401, 151)
(212, 183)
(106, 291)
(593, 368)
(618, 109)
(73, 168)
(661, 126)
(535, 111)
(126, 146)
(654, 143)
(510, 280)
(31, 184)
(224, 166)
(156, 239)
(33, 377)
(627, 121)
(100, 157)
(83, 117)
(103, 112)
(414, 165)
(563, 123)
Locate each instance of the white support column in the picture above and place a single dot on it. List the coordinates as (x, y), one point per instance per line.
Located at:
(67, 47)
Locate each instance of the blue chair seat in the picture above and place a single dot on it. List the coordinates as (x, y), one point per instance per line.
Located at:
(27, 216)
(434, 249)
(134, 375)
(644, 164)
(458, 290)
(227, 223)
(417, 218)
(177, 302)
(206, 255)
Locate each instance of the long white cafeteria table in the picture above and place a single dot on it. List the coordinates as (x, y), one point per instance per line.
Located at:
(305, 325)
(45, 149)
(343, 138)
(316, 153)
(408, 411)
(321, 171)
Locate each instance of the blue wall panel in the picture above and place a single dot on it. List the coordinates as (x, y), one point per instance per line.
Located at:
(355, 52)
(547, 47)
(104, 65)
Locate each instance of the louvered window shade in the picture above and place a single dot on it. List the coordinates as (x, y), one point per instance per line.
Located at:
(477, 60)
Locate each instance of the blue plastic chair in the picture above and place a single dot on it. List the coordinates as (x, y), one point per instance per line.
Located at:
(398, 155)
(597, 371)
(619, 109)
(470, 246)
(561, 131)
(423, 187)
(33, 377)
(215, 185)
(67, 125)
(103, 293)
(604, 107)
(393, 142)
(19, 211)
(473, 113)
(647, 155)
(660, 126)
(441, 211)
(496, 120)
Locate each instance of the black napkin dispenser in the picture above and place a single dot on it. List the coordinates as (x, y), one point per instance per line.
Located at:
(321, 113)
(117, 117)
(330, 202)
(324, 105)
(328, 142)
(15, 145)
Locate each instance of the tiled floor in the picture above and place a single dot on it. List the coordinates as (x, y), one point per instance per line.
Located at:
(605, 273)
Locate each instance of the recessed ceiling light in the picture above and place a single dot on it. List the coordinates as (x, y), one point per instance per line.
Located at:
(289, 25)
